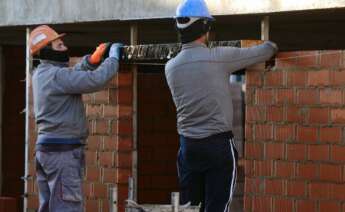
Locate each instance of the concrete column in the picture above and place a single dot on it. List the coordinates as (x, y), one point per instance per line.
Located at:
(134, 41)
(1, 100)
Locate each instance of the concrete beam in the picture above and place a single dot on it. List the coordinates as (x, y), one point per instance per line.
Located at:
(30, 12)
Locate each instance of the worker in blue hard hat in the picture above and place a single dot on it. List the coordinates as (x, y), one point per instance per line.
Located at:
(198, 78)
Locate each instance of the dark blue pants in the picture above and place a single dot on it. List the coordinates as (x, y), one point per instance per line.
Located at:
(207, 171)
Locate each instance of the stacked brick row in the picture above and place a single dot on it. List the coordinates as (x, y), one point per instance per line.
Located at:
(295, 124)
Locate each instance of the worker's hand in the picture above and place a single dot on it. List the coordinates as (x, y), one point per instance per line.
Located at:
(116, 50)
(99, 54)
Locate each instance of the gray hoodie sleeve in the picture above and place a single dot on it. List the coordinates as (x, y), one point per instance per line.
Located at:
(84, 65)
(235, 59)
(77, 81)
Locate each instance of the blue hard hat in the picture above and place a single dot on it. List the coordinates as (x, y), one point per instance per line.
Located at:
(193, 8)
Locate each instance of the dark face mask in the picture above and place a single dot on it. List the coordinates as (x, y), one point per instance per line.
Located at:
(47, 53)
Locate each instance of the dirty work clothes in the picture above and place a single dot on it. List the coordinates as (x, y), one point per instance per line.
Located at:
(58, 106)
(207, 171)
(198, 78)
(59, 180)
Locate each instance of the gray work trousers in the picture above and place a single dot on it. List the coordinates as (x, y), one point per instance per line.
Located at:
(59, 179)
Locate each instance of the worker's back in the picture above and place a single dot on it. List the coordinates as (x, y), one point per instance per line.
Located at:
(198, 78)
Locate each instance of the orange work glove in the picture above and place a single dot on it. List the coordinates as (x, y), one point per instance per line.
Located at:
(99, 53)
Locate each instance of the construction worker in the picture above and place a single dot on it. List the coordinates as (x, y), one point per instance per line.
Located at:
(60, 115)
(198, 78)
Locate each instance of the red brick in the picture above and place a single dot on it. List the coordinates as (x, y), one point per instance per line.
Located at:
(307, 134)
(338, 192)
(253, 185)
(253, 150)
(249, 133)
(124, 79)
(125, 96)
(318, 115)
(319, 190)
(123, 175)
(100, 190)
(296, 78)
(264, 96)
(247, 205)
(284, 169)
(93, 110)
(263, 132)
(338, 153)
(93, 143)
(318, 78)
(91, 205)
(92, 173)
(275, 114)
(338, 116)
(307, 97)
(330, 96)
(284, 133)
(101, 97)
(253, 78)
(274, 187)
(308, 59)
(106, 159)
(124, 159)
(90, 158)
(109, 175)
(331, 134)
(296, 188)
(101, 126)
(124, 111)
(262, 204)
(331, 58)
(109, 111)
(286, 60)
(263, 168)
(331, 172)
(125, 127)
(328, 206)
(285, 96)
(282, 205)
(295, 114)
(306, 205)
(87, 98)
(110, 143)
(337, 77)
(274, 151)
(248, 167)
(296, 151)
(307, 171)
(124, 143)
(318, 152)
(87, 189)
(255, 113)
(105, 206)
(274, 79)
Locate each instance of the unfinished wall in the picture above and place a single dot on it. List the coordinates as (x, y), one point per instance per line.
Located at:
(295, 121)
(109, 150)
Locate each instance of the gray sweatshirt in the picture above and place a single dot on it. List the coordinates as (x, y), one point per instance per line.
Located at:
(57, 90)
(198, 78)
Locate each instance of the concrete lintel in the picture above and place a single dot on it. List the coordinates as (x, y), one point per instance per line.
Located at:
(29, 12)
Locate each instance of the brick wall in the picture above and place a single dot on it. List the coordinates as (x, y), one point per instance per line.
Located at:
(295, 144)
(110, 144)
(158, 140)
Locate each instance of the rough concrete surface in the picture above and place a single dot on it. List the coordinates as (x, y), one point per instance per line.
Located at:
(30, 12)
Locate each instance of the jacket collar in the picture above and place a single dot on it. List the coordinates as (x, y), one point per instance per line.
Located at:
(193, 45)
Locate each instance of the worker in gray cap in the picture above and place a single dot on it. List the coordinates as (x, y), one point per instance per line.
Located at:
(198, 78)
